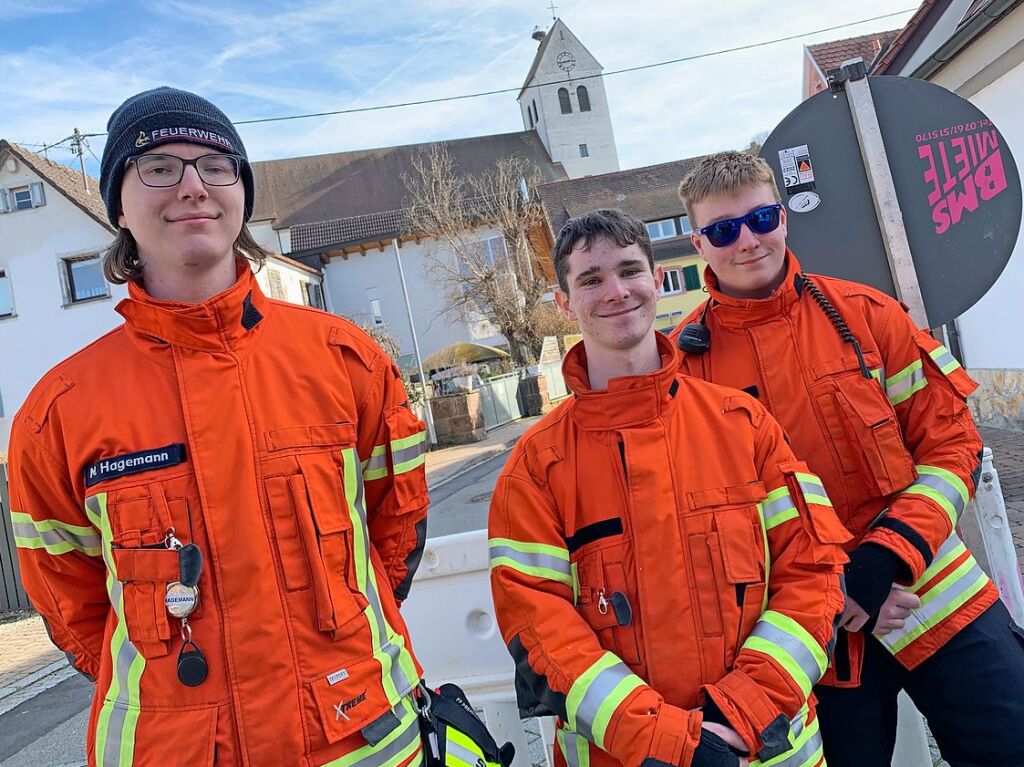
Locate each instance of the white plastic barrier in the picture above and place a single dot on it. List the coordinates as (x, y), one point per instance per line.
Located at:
(451, 618)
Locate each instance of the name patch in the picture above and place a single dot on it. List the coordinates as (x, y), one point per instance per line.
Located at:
(162, 135)
(133, 463)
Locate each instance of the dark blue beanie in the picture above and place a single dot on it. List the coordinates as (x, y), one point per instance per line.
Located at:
(162, 116)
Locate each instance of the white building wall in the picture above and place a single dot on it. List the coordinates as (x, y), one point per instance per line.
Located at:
(43, 331)
(347, 283)
(265, 234)
(292, 279)
(939, 34)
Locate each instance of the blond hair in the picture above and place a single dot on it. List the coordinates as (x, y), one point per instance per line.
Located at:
(724, 173)
(121, 262)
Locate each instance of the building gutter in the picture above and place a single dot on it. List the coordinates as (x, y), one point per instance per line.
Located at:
(964, 37)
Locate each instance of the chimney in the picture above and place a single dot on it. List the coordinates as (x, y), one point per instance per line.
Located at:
(538, 34)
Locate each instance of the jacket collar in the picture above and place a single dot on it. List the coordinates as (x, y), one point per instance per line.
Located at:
(745, 311)
(223, 322)
(629, 400)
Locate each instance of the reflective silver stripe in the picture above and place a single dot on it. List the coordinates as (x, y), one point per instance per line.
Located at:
(55, 539)
(530, 559)
(597, 693)
(377, 465)
(392, 643)
(943, 358)
(569, 743)
(460, 752)
(812, 488)
(395, 748)
(408, 453)
(944, 487)
(897, 392)
(776, 507)
(777, 642)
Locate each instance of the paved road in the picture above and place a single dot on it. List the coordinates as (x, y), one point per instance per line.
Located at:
(461, 504)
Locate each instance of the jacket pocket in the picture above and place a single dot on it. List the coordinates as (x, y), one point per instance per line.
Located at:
(864, 429)
(143, 575)
(608, 600)
(406, 449)
(188, 737)
(351, 699)
(310, 515)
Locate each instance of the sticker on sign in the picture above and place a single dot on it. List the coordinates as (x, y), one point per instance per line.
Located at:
(797, 170)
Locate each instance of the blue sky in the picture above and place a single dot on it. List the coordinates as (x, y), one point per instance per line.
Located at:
(69, 63)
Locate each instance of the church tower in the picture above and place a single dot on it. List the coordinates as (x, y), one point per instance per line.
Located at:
(564, 100)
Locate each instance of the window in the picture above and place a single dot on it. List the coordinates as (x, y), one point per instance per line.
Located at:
(670, 285)
(584, 152)
(584, 99)
(6, 301)
(373, 300)
(684, 225)
(662, 230)
(530, 115)
(313, 295)
(535, 118)
(22, 197)
(82, 279)
(274, 282)
(691, 277)
(563, 101)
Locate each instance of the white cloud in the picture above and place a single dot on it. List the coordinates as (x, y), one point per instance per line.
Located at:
(262, 60)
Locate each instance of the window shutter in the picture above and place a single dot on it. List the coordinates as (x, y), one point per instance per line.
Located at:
(691, 277)
(38, 195)
(5, 203)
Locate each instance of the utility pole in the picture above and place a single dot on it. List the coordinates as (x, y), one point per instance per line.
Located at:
(78, 147)
(416, 347)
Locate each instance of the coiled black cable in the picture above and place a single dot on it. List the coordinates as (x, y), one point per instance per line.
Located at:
(840, 324)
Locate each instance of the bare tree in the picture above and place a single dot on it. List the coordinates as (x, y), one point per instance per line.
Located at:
(501, 285)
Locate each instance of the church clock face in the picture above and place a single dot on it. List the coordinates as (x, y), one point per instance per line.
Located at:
(566, 61)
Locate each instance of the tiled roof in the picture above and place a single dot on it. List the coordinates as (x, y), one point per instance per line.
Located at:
(924, 19)
(649, 193)
(830, 55)
(356, 195)
(65, 180)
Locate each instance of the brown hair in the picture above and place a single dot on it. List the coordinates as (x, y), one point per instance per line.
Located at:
(724, 173)
(623, 229)
(121, 260)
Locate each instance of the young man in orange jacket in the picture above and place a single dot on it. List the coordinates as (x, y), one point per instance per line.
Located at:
(220, 504)
(877, 409)
(666, 574)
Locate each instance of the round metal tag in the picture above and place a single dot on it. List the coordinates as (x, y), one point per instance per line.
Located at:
(181, 600)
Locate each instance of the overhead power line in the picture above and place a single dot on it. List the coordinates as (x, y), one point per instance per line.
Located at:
(498, 91)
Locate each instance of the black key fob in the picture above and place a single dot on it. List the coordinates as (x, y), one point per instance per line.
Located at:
(191, 665)
(622, 609)
(190, 564)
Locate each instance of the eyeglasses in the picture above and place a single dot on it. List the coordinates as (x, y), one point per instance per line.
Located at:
(760, 221)
(164, 170)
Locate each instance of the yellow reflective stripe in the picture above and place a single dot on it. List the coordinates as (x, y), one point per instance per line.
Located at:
(942, 486)
(812, 488)
(575, 748)
(778, 507)
(807, 748)
(944, 359)
(461, 751)
(782, 638)
(119, 714)
(905, 384)
(408, 453)
(943, 599)
(537, 559)
(398, 672)
(55, 536)
(596, 695)
(376, 466)
(397, 746)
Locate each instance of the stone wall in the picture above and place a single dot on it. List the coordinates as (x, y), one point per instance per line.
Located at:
(533, 394)
(458, 418)
(999, 401)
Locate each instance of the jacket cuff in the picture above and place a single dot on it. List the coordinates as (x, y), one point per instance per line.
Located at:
(676, 736)
(907, 545)
(751, 713)
(870, 574)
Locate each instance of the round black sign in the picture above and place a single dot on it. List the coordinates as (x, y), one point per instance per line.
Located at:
(955, 178)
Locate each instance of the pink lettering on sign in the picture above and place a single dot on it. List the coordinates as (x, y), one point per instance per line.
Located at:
(963, 168)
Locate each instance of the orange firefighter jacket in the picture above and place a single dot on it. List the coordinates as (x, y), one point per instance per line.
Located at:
(902, 443)
(276, 438)
(656, 546)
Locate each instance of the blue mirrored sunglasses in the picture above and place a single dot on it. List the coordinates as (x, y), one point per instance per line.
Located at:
(760, 220)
